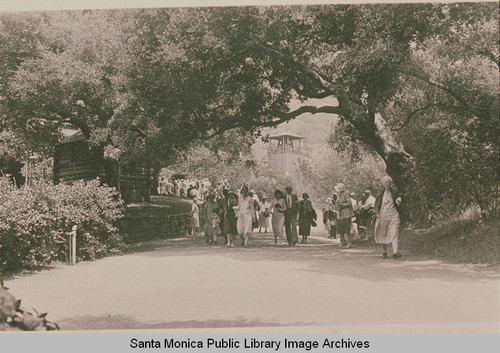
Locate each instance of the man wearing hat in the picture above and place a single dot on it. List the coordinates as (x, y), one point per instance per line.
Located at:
(291, 215)
(345, 214)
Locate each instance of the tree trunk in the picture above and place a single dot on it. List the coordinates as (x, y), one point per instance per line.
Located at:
(400, 166)
(155, 180)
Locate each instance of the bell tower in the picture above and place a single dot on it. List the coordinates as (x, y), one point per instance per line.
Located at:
(283, 152)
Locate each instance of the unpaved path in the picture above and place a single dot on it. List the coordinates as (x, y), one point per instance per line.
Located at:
(184, 283)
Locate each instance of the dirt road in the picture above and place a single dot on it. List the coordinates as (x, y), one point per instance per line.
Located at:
(186, 284)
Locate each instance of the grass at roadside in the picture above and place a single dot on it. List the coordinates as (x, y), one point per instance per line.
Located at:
(464, 241)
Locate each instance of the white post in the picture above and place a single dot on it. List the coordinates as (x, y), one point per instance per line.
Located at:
(73, 245)
(70, 248)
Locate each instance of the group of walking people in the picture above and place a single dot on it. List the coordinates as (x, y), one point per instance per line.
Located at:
(236, 216)
(288, 213)
(186, 188)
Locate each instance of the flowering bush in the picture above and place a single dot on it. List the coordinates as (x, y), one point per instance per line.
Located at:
(34, 221)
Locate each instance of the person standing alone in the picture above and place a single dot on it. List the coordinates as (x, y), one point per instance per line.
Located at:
(307, 217)
(345, 214)
(386, 230)
(291, 215)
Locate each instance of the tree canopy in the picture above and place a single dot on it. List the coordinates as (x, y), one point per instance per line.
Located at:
(416, 84)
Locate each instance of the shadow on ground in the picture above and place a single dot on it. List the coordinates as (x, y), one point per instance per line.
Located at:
(320, 255)
(123, 322)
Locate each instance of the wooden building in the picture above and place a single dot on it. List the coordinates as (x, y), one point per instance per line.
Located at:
(283, 152)
(75, 160)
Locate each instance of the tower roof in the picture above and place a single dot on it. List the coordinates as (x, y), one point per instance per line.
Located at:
(71, 135)
(287, 134)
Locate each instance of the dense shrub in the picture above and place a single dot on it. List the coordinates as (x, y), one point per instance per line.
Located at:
(34, 222)
(466, 241)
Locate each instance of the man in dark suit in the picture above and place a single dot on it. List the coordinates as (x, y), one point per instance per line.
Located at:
(291, 215)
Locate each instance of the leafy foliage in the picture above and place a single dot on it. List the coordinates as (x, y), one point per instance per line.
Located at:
(14, 317)
(450, 110)
(147, 84)
(320, 173)
(34, 222)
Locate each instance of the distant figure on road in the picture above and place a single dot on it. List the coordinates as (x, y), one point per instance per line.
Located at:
(307, 216)
(291, 215)
(354, 222)
(211, 217)
(330, 217)
(228, 217)
(256, 208)
(345, 214)
(265, 215)
(195, 218)
(366, 209)
(387, 224)
(245, 215)
(278, 216)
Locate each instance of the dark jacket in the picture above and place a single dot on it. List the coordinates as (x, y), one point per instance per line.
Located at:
(307, 212)
(295, 204)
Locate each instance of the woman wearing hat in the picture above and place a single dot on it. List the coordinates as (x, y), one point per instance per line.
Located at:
(386, 229)
(345, 214)
(307, 216)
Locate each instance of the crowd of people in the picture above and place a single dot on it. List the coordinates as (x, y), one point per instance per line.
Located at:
(190, 188)
(218, 212)
(234, 216)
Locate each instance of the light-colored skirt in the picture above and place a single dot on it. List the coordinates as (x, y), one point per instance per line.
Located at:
(195, 221)
(264, 222)
(386, 230)
(278, 222)
(244, 224)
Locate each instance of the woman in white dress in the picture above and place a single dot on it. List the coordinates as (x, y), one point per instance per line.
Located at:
(278, 216)
(195, 220)
(265, 215)
(386, 229)
(245, 216)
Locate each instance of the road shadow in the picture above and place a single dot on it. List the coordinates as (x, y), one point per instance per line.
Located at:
(124, 322)
(322, 255)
